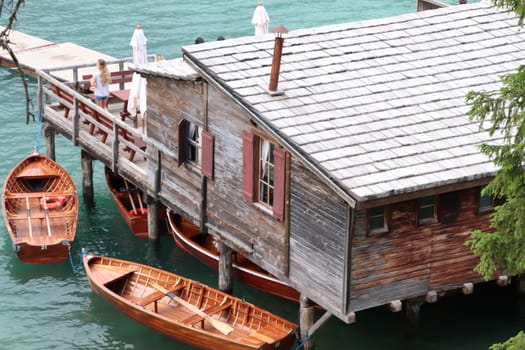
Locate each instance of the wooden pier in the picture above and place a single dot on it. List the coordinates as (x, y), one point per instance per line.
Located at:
(112, 137)
(36, 54)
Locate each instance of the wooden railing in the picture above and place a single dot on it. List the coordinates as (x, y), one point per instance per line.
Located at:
(79, 119)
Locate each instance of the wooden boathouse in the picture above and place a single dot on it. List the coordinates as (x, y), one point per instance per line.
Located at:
(345, 166)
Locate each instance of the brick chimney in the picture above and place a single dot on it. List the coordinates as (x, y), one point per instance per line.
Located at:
(276, 62)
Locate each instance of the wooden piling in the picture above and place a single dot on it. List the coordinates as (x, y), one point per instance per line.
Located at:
(306, 321)
(153, 219)
(87, 176)
(521, 284)
(413, 308)
(49, 136)
(225, 267)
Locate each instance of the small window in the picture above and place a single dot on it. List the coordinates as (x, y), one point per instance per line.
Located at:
(266, 172)
(427, 210)
(486, 201)
(377, 221)
(193, 139)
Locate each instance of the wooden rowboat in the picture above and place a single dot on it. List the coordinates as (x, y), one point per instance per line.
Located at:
(184, 309)
(40, 208)
(131, 206)
(187, 237)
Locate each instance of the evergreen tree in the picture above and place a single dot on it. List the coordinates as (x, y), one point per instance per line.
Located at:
(504, 248)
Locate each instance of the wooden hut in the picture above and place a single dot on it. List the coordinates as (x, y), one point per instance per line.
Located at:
(357, 177)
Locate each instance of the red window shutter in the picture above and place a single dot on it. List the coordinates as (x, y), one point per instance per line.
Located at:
(207, 154)
(248, 145)
(279, 182)
(181, 141)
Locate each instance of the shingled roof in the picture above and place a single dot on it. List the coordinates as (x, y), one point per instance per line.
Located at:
(377, 106)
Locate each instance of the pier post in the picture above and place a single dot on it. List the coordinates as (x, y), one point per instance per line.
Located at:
(153, 219)
(225, 267)
(413, 307)
(521, 284)
(87, 176)
(306, 321)
(49, 136)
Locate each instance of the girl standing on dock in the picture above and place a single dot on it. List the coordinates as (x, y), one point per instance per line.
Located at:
(100, 84)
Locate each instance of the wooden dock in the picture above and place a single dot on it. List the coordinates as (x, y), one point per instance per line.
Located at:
(36, 54)
(113, 137)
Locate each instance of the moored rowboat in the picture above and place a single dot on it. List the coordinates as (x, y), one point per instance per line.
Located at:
(184, 309)
(131, 206)
(40, 208)
(187, 237)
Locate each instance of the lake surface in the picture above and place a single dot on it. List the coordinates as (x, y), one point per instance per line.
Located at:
(52, 307)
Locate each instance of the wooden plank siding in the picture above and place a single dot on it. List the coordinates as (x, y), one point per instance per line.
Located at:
(410, 260)
(319, 221)
(170, 101)
(226, 206)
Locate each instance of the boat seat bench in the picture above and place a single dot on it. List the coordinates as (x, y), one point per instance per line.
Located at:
(52, 214)
(209, 311)
(156, 296)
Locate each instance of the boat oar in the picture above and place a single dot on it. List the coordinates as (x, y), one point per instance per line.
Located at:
(140, 203)
(28, 213)
(130, 197)
(46, 211)
(222, 327)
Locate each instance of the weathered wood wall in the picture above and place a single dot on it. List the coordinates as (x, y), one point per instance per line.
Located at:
(319, 222)
(170, 101)
(227, 208)
(409, 260)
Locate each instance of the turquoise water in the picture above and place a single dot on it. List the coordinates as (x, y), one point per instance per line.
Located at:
(51, 306)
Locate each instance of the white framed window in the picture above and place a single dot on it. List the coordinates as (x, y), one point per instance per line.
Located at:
(193, 144)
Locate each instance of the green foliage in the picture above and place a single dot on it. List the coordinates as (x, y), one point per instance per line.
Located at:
(504, 248)
(517, 6)
(515, 343)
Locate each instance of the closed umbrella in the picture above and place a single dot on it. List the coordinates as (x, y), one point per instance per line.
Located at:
(260, 20)
(137, 92)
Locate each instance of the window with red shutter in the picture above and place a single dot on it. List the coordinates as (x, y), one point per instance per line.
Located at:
(207, 154)
(279, 183)
(189, 139)
(264, 173)
(248, 146)
(181, 142)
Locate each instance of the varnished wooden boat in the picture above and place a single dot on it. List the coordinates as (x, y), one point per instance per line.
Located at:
(184, 309)
(187, 237)
(40, 208)
(131, 206)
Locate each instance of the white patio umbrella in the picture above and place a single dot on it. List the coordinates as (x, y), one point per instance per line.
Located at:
(137, 92)
(260, 20)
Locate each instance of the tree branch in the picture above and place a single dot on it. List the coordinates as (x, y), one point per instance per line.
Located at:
(5, 44)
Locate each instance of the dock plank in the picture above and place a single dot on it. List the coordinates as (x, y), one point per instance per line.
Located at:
(36, 54)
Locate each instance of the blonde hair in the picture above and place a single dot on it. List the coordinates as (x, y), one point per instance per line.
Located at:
(105, 77)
